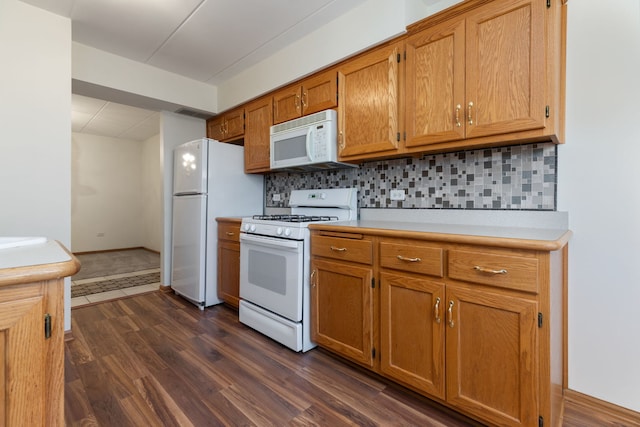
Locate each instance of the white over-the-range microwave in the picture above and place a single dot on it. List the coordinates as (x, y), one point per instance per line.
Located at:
(307, 143)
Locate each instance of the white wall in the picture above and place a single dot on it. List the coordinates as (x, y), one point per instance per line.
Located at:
(35, 125)
(116, 187)
(151, 196)
(599, 188)
(106, 193)
(175, 129)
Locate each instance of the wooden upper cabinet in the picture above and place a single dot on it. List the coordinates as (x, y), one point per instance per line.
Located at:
(215, 128)
(314, 94)
(228, 126)
(491, 74)
(505, 67)
(435, 77)
(259, 118)
(369, 110)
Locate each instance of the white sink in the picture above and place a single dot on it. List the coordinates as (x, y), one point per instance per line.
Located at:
(14, 242)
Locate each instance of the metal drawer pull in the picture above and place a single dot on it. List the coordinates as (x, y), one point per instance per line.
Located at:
(488, 270)
(458, 107)
(436, 310)
(401, 258)
(313, 283)
(335, 249)
(450, 311)
(230, 233)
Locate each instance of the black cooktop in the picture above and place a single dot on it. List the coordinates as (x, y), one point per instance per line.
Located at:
(295, 218)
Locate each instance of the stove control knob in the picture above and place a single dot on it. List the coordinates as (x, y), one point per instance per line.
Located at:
(253, 227)
(323, 196)
(246, 227)
(287, 232)
(279, 231)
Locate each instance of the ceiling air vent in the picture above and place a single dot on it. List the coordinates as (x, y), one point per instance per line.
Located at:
(193, 113)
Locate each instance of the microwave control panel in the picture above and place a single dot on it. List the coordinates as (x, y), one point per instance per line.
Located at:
(321, 143)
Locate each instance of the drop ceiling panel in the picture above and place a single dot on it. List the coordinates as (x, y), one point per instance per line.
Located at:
(133, 29)
(224, 33)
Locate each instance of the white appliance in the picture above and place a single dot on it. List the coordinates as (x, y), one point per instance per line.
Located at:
(208, 182)
(307, 143)
(275, 264)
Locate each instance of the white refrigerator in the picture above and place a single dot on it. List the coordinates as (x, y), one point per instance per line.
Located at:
(208, 182)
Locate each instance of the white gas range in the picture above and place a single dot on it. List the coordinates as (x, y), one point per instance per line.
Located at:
(275, 264)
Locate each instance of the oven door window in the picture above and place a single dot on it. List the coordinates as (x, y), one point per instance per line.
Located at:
(271, 274)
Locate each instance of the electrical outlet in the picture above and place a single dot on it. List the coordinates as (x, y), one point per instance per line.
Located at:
(276, 197)
(397, 194)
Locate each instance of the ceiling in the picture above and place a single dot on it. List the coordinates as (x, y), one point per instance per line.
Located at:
(205, 40)
(98, 117)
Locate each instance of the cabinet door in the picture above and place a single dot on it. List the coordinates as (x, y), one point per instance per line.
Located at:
(229, 272)
(412, 332)
(287, 104)
(215, 128)
(435, 85)
(259, 118)
(505, 66)
(492, 363)
(342, 309)
(23, 378)
(368, 104)
(320, 92)
(234, 124)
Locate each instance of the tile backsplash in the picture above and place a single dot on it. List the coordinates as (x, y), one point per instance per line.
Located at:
(518, 177)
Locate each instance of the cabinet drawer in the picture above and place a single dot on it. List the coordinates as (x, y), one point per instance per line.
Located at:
(229, 231)
(505, 271)
(412, 257)
(354, 250)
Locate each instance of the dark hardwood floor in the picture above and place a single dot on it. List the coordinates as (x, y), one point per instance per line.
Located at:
(155, 360)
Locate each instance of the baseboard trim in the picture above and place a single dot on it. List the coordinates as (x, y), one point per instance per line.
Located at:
(115, 250)
(165, 289)
(612, 413)
(68, 336)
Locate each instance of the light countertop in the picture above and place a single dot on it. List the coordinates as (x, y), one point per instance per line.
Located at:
(43, 261)
(526, 234)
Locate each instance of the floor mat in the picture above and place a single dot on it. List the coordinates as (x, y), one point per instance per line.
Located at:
(114, 284)
(101, 264)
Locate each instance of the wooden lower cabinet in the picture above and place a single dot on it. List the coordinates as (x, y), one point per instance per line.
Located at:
(229, 261)
(342, 309)
(470, 326)
(412, 332)
(32, 339)
(492, 362)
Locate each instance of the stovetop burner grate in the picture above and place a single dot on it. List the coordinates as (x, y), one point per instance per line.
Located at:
(295, 218)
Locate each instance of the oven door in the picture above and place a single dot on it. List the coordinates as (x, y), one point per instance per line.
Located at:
(271, 274)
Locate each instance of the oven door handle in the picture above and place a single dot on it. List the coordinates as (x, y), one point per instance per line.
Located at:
(269, 242)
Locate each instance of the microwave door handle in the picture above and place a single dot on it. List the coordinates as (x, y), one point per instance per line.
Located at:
(310, 134)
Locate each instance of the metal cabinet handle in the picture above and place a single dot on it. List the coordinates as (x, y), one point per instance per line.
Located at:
(313, 283)
(450, 313)
(436, 310)
(304, 99)
(401, 258)
(336, 249)
(298, 102)
(489, 270)
(230, 233)
(458, 107)
(469, 115)
(341, 141)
